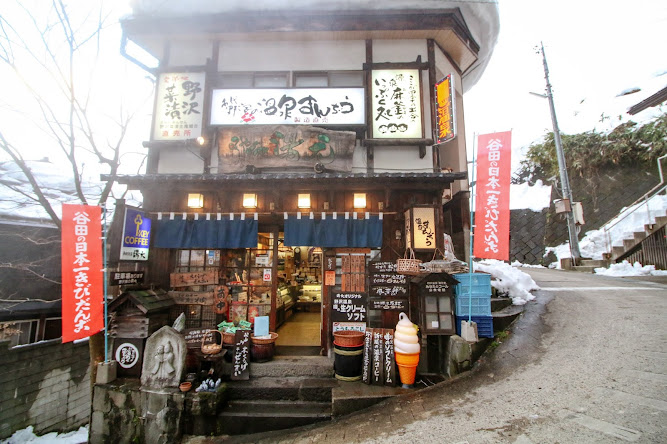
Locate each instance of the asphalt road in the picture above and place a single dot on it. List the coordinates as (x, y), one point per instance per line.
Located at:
(586, 363)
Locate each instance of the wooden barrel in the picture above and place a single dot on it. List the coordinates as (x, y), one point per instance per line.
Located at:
(348, 362)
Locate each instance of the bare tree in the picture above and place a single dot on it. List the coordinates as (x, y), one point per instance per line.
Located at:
(62, 45)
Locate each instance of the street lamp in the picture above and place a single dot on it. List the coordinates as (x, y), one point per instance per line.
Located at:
(565, 183)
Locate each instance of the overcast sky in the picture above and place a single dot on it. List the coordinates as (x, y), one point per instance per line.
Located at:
(595, 50)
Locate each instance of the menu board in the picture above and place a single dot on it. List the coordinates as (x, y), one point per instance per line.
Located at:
(377, 374)
(388, 304)
(388, 290)
(382, 267)
(389, 362)
(397, 291)
(241, 356)
(193, 336)
(388, 279)
(349, 307)
(368, 356)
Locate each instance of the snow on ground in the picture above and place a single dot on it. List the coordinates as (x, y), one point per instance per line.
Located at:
(627, 269)
(597, 242)
(508, 279)
(27, 436)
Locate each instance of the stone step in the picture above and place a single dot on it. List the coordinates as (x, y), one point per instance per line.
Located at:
(254, 416)
(498, 304)
(597, 263)
(661, 221)
(617, 252)
(282, 389)
(504, 318)
(638, 236)
(584, 268)
(287, 366)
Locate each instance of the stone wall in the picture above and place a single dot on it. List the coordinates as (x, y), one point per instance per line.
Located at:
(527, 230)
(45, 385)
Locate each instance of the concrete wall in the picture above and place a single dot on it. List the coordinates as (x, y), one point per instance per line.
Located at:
(46, 385)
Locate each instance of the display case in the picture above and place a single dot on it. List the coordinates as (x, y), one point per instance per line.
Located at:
(243, 271)
(284, 304)
(310, 298)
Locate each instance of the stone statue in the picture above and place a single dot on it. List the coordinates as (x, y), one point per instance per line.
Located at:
(164, 359)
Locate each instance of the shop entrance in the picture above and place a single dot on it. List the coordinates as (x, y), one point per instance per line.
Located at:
(299, 301)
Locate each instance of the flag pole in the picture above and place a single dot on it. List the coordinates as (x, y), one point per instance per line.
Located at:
(472, 226)
(106, 280)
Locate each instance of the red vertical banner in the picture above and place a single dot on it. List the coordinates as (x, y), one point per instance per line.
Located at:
(492, 208)
(82, 274)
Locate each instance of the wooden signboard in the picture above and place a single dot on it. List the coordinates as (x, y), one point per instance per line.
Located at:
(193, 278)
(193, 297)
(330, 263)
(193, 336)
(129, 354)
(221, 304)
(379, 278)
(388, 361)
(367, 362)
(382, 267)
(436, 287)
(241, 356)
(330, 278)
(388, 304)
(126, 277)
(349, 307)
(389, 291)
(377, 374)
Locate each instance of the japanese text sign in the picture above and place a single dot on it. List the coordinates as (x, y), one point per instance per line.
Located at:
(288, 106)
(420, 228)
(492, 209)
(179, 104)
(349, 307)
(396, 104)
(445, 117)
(82, 276)
(136, 236)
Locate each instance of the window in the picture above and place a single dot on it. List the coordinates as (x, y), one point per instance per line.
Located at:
(330, 79)
(19, 332)
(252, 80)
(197, 260)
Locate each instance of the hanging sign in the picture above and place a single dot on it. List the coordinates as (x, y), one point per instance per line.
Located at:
(382, 267)
(445, 117)
(396, 104)
(126, 277)
(288, 106)
(420, 226)
(179, 104)
(193, 297)
(492, 207)
(82, 275)
(193, 278)
(136, 236)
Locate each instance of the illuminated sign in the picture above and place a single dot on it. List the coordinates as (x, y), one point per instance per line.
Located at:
(445, 116)
(420, 231)
(136, 236)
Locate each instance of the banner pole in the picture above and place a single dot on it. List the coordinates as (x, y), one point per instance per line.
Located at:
(106, 326)
(472, 226)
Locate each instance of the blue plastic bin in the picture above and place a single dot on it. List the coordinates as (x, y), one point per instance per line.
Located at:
(481, 284)
(475, 305)
(484, 325)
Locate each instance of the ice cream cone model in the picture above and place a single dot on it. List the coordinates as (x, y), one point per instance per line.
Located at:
(406, 349)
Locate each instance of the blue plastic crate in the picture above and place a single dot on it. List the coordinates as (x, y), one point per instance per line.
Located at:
(484, 325)
(480, 282)
(474, 305)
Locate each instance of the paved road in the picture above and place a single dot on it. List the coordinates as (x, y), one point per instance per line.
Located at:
(586, 363)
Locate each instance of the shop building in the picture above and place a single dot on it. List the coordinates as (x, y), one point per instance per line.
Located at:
(294, 146)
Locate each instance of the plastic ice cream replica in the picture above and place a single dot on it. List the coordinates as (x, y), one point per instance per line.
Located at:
(406, 349)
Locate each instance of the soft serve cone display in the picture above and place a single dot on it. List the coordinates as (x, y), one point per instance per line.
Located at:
(406, 349)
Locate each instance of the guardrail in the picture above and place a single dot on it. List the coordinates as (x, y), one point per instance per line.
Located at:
(632, 209)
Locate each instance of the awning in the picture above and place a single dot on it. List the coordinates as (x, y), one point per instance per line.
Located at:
(330, 233)
(224, 233)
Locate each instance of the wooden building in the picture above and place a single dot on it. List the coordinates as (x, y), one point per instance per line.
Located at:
(294, 144)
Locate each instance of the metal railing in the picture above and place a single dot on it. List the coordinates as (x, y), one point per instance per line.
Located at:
(634, 207)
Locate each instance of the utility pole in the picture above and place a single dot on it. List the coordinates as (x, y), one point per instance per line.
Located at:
(565, 183)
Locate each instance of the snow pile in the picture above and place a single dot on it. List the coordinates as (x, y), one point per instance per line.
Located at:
(508, 279)
(27, 436)
(626, 269)
(597, 242)
(535, 198)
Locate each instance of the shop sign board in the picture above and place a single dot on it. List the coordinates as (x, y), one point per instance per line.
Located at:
(436, 287)
(445, 110)
(389, 290)
(349, 307)
(129, 355)
(288, 106)
(389, 304)
(193, 336)
(348, 326)
(193, 278)
(330, 278)
(382, 267)
(420, 227)
(388, 279)
(193, 297)
(136, 235)
(284, 146)
(126, 277)
(179, 106)
(396, 104)
(378, 365)
(241, 356)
